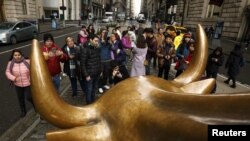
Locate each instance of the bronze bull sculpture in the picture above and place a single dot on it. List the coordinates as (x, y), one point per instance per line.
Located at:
(143, 108)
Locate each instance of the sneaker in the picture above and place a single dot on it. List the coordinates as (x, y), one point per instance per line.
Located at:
(100, 90)
(106, 87)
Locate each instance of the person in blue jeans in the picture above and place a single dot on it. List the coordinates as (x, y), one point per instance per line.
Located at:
(53, 56)
(90, 61)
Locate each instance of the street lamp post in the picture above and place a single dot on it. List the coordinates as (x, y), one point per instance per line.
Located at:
(63, 14)
(183, 12)
(103, 10)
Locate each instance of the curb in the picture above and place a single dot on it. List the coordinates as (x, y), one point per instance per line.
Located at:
(54, 29)
(25, 125)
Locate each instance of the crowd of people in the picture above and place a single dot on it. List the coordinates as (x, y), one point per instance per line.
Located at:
(99, 60)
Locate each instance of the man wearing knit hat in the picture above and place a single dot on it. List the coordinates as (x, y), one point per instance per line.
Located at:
(53, 55)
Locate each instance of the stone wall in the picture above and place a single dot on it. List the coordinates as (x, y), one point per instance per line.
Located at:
(231, 14)
(14, 12)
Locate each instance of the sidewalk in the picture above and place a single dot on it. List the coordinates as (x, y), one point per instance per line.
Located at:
(227, 46)
(46, 26)
(24, 125)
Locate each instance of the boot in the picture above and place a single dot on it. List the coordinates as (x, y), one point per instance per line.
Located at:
(233, 86)
(226, 81)
(23, 110)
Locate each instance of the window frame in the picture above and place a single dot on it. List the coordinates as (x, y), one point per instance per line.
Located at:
(24, 7)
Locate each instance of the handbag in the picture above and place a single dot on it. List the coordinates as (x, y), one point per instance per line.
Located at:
(145, 62)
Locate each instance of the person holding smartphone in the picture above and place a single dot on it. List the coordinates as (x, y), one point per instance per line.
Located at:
(53, 55)
(119, 73)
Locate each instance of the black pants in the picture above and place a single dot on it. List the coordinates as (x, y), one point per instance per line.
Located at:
(178, 72)
(106, 74)
(212, 75)
(73, 82)
(22, 94)
(165, 69)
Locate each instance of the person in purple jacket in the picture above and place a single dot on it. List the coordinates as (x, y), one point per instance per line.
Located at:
(126, 45)
(118, 52)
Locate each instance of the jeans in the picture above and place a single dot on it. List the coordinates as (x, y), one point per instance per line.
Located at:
(212, 75)
(73, 82)
(90, 88)
(56, 81)
(106, 74)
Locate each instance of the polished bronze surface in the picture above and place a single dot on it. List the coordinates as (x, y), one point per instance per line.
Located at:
(144, 108)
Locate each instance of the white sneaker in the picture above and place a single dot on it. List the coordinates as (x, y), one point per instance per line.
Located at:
(106, 87)
(100, 90)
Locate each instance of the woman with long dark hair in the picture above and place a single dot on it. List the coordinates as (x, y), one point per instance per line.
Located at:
(18, 72)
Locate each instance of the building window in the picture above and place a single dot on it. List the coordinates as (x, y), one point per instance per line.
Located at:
(213, 11)
(24, 6)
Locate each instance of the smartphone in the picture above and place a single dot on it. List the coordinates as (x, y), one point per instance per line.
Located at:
(53, 50)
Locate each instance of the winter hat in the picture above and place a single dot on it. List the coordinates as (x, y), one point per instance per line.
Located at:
(186, 35)
(48, 36)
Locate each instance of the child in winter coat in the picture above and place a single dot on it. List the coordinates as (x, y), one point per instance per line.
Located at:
(18, 72)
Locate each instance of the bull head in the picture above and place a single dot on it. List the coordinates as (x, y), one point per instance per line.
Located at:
(144, 108)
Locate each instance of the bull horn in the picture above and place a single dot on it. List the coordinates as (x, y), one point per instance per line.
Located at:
(199, 61)
(47, 102)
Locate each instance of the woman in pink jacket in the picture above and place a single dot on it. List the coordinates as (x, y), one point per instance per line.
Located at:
(18, 73)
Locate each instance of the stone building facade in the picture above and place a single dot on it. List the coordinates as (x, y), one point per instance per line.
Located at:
(232, 16)
(144, 7)
(119, 6)
(16, 10)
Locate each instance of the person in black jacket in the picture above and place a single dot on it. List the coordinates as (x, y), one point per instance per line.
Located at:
(72, 64)
(215, 60)
(91, 67)
(233, 64)
(119, 72)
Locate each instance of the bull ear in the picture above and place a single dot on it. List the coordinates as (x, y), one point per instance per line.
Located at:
(46, 99)
(199, 87)
(199, 60)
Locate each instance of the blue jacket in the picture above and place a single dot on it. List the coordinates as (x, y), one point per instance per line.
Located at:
(105, 51)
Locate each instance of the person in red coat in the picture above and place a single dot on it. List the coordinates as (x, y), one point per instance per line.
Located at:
(53, 55)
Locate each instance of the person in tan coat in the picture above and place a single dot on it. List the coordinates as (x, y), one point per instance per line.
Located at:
(165, 55)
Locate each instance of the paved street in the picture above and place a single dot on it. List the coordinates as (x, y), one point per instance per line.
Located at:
(31, 128)
(10, 110)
